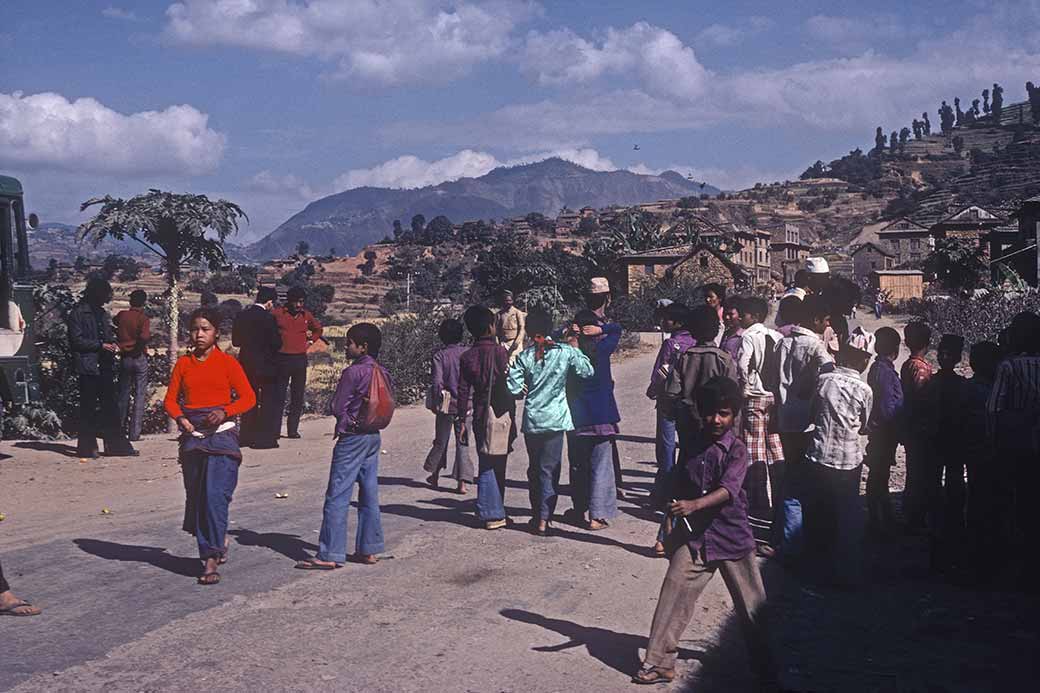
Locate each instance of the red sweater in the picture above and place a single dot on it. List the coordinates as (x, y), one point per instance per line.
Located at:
(295, 329)
(209, 384)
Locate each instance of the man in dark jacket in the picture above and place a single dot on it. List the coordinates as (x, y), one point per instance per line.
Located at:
(93, 345)
(255, 333)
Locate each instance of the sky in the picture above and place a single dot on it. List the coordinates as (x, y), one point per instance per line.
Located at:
(275, 103)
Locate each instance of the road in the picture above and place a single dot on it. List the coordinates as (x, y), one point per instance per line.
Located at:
(450, 608)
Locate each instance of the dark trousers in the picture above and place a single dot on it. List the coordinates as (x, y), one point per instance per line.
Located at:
(262, 423)
(915, 490)
(209, 483)
(133, 380)
(292, 374)
(789, 530)
(4, 587)
(833, 521)
(946, 496)
(756, 485)
(545, 459)
(99, 416)
(880, 458)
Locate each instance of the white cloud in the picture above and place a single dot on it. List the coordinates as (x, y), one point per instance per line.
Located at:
(384, 42)
(652, 55)
(726, 35)
(288, 185)
(113, 12)
(48, 131)
(851, 35)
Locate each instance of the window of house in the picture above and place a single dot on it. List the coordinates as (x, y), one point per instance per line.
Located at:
(704, 261)
(648, 269)
(915, 244)
(873, 265)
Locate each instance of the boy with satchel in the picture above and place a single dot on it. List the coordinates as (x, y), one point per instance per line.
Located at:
(442, 400)
(482, 382)
(363, 405)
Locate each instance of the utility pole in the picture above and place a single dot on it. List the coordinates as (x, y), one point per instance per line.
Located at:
(408, 293)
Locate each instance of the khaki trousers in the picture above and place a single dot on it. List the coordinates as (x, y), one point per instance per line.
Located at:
(686, 578)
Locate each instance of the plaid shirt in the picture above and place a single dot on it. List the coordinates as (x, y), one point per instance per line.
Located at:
(839, 410)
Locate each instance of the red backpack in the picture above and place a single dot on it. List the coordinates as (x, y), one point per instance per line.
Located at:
(378, 407)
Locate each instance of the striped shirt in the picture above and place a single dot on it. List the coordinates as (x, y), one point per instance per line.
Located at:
(1017, 385)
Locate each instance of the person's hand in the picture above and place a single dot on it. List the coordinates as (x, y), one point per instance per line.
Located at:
(215, 418)
(682, 508)
(111, 347)
(185, 425)
(592, 330)
(462, 430)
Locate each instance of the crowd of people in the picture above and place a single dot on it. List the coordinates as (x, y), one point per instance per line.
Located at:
(758, 429)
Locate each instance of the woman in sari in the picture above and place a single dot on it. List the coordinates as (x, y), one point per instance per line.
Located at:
(199, 398)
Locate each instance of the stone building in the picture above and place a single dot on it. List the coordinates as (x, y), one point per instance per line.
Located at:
(907, 241)
(787, 252)
(700, 264)
(869, 257)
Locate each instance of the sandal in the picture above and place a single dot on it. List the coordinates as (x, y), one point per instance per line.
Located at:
(659, 551)
(27, 609)
(209, 578)
(594, 525)
(650, 675)
(314, 564)
(365, 558)
(434, 481)
(224, 556)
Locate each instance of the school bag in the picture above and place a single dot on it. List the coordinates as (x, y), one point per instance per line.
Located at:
(377, 409)
(497, 427)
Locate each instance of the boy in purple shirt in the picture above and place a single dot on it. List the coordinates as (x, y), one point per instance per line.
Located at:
(733, 336)
(712, 533)
(355, 459)
(883, 429)
(443, 402)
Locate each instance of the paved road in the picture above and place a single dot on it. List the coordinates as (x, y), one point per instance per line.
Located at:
(451, 608)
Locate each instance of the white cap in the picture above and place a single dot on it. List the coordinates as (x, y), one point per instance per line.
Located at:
(817, 265)
(599, 285)
(664, 302)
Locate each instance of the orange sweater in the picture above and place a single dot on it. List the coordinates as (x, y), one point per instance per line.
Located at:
(209, 384)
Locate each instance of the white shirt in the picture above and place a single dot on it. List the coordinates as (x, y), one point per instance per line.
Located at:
(839, 411)
(794, 291)
(801, 355)
(753, 358)
(11, 339)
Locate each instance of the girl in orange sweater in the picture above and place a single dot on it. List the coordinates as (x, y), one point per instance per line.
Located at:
(199, 398)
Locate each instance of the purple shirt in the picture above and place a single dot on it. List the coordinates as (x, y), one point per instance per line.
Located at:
(445, 373)
(888, 397)
(486, 358)
(721, 533)
(351, 393)
(731, 342)
(667, 357)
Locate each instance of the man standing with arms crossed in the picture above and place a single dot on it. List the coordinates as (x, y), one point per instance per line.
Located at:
(299, 329)
(256, 334)
(510, 325)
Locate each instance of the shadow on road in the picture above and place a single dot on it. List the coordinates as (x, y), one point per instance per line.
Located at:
(601, 540)
(152, 555)
(60, 448)
(635, 439)
(289, 545)
(619, 651)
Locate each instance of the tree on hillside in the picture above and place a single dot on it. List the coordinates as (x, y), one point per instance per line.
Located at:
(588, 226)
(975, 110)
(879, 141)
(918, 129)
(985, 100)
(926, 125)
(998, 102)
(893, 141)
(817, 170)
(904, 137)
(303, 249)
(958, 144)
(418, 226)
(438, 231)
(957, 264)
(1034, 101)
(369, 265)
(182, 229)
(477, 231)
(398, 231)
(946, 118)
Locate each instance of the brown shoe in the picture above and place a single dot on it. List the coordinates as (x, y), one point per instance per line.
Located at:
(649, 675)
(366, 558)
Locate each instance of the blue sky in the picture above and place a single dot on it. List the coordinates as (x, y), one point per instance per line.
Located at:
(273, 103)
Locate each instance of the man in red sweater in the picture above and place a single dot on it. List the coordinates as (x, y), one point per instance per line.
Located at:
(299, 329)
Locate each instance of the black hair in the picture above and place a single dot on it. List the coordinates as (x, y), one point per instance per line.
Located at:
(755, 306)
(478, 320)
(917, 335)
(597, 301)
(450, 331)
(97, 291)
(801, 279)
(539, 322)
(586, 317)
(265, 294)
(1024, 333)
(296, 293)
(366, 334)
(789, 311)
(714, 288)
(678, 313)
(984, 358)
(138, 297)
(886, 341)
(210, 314)
(840, 325)
(719, 392)
(733, 303)
(703, 324)
(952, 342)
(814, 308)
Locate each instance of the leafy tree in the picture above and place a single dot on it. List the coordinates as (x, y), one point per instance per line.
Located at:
(81, 264)
(1034, 101)
(958, 144)
(303, 249)
(588, 226)
(957, 264)
(182, 229)
(817, 170)
(893, 141)
(946, 118)
(918, 129)
(438, 231)
(926, 124)
(904, 137)
(418, 226)
(369, 266)
(985, 100)
(476, 232)
(398, 231)
(959, 112)
(998, 103)
(879, 141)
(332, 252)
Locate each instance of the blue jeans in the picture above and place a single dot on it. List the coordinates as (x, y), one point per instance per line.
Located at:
(491, 487)
(664, 450)
(133, 377)
(545, 458)
(209, 484)
(591, 461)
(354, 459)
(788, 532)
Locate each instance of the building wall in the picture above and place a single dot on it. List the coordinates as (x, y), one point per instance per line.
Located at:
(900, 287)
(867, 260)
(700, 268)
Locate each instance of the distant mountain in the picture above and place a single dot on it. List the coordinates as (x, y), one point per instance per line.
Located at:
(61, 242)
(349, 220)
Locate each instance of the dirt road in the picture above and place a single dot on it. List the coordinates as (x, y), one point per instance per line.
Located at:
(450, 608)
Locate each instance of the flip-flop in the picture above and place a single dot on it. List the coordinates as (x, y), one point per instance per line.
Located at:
(309, 564)
(224, 556)
(209, 578)
(10, 610)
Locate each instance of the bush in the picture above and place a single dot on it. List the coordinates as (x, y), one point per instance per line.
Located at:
(977, 319)
(408, 345)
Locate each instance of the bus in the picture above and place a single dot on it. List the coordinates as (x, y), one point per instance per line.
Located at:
(16, 295)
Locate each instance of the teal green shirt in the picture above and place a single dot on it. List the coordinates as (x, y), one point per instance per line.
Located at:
(545, 381)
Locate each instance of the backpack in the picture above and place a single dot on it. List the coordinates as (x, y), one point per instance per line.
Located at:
(770, 371)
(377, 409)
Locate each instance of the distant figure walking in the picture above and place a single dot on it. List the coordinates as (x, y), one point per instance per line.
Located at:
(133, 330)
(208, 388)
(94, 348)
(299, 329)
(442, 400)
(510, 325)
(256, 334)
